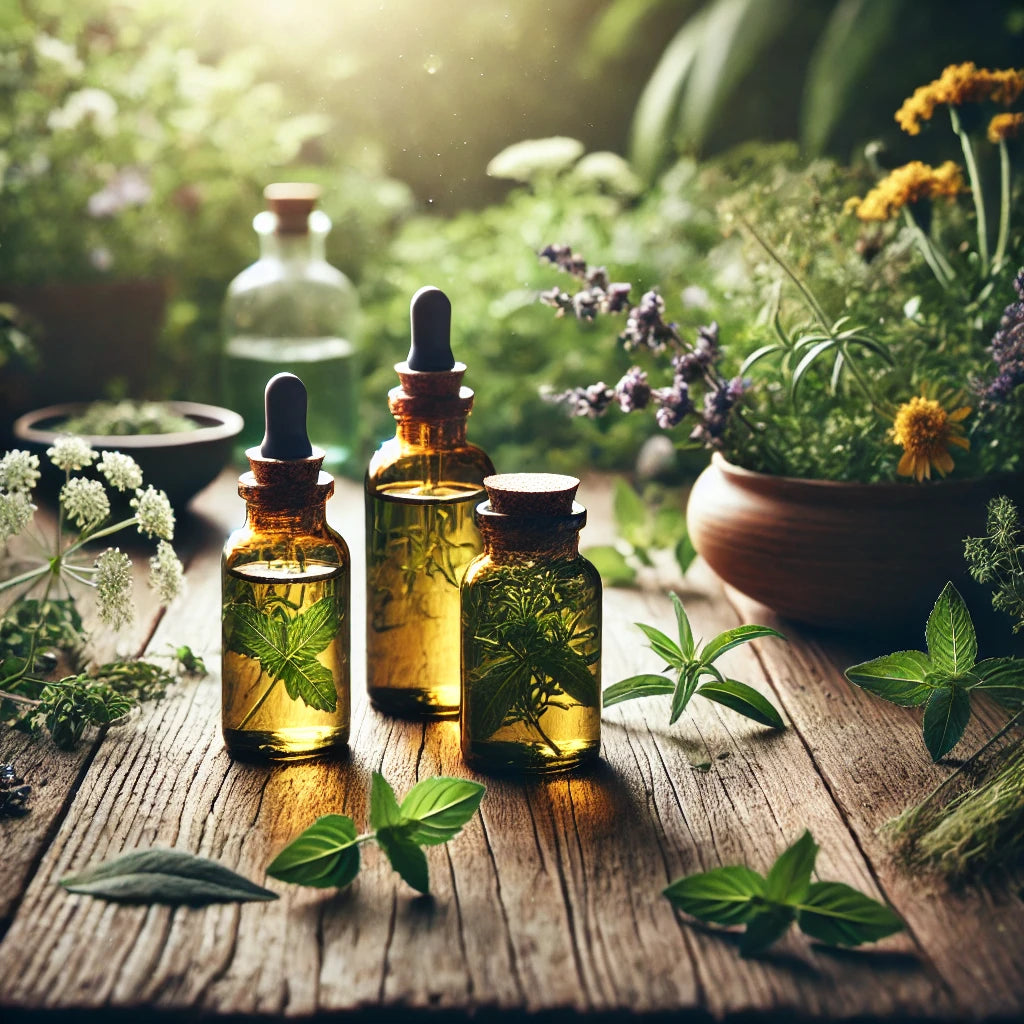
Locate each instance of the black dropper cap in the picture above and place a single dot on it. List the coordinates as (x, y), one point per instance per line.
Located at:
(430, 314)
(285, 412)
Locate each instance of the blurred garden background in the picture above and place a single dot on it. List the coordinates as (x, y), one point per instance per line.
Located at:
(136, 138)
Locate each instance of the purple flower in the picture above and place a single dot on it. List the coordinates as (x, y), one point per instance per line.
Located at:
(1007, 350)
(590, 402)
(673, 404)
(633, 392)
(563, 257)
(617, 297)
(718, 404)
(645, 327)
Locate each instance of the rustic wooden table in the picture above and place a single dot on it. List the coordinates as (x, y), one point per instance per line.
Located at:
(550, 899)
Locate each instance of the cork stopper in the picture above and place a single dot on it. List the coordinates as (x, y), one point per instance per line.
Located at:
(531, 494)
(292, 202)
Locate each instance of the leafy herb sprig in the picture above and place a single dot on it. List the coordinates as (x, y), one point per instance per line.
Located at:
(998, 558)
(326, 855)
(832, 912)
(946, 678)
(691, 662)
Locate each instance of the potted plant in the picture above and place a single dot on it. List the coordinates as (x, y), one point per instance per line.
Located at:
(875, 405)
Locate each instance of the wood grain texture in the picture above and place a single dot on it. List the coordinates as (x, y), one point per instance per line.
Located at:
(550, 899)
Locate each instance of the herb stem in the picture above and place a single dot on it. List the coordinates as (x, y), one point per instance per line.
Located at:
(1004, 205)
(252, 711)
(976, 193)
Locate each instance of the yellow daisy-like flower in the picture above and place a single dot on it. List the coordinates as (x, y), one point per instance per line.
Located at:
(908, 184)
(1005, 126)
(959, 84)
(925, 431)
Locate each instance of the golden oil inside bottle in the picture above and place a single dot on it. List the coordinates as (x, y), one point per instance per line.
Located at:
(285, 672)
(420, 539)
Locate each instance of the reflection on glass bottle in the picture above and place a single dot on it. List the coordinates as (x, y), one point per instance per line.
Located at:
(286, 573)
(531, 631)
(292, 311)
(421, 487)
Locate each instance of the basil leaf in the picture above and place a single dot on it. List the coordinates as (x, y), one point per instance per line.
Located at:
(684, 690)
(663, 646)
(1002, 679)
(767, 925)
(325, 855)
(636, 686)
(952, 643)
(162, 875)
(721, 895)
(900, 678)
(683, 625)
(945, 717)
(834, 913)
(405, 857)
(790, 876)
(744, 700)
(631, 515)
(384, 810)
(731, 638)
(436, 809)
(685, 553)
(611, 563)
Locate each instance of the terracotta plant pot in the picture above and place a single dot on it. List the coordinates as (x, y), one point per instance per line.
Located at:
(842, 555)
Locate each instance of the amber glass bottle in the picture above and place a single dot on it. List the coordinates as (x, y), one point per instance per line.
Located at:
(531, 631)
(421, 487)
(286, 579)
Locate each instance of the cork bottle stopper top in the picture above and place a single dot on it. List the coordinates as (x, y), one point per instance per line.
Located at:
(531, 494)
(292, 202)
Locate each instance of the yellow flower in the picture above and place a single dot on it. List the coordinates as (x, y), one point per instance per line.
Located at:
(1005, 126)
(925, 431)
(908, 184)
(959, 84)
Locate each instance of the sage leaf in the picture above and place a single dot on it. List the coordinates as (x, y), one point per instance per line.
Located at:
(384, 810)
(764, 927)
(744, 700)
(839, 915)
(325, 856)
(663, 646)
(685, 688)
(945, 717)
(731, 638)
(789, 878)
(405, 857)
(900, 678)
(162, 875)
(1002, 679)
(950, 635)
(721, 895)
(636, 686)
(611, 563)
(683, 624)
(435, 810)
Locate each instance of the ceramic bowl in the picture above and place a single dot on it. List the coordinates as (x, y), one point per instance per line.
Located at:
(181, 464)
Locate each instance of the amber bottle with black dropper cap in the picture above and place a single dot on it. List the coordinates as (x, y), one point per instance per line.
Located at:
(421, 488)
(286, 582)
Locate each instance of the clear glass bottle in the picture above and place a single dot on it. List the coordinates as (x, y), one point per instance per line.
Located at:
(421, 487)
(292, 311)
(286, 599)
(531, 631)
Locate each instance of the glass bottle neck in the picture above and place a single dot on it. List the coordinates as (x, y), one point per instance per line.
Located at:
(414, 432)
(261, 518)
(290, 248)
(509, 545)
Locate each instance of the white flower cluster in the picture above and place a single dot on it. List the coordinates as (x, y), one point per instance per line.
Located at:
(19, 472)
(70, 452)
(114, 587)
(166, 573)
(154, 513)
(120, 470)
(85, 501)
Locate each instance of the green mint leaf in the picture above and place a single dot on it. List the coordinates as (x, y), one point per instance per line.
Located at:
(384, 811)
(162, 875)
(258, 636)
(326, 855)
(406, 858)
(636, 686)
(685, 553)
(684, 690)
(1002, 679)
(900, 678)
(950, 635)
(790, 876)
(945, 717)
(744, 700)
(834, 913)
(631, 516)
(569, 669)
(612, 565)
(435, 810)
(765, 927)
(721, 895)
(686, 643)
(663, 646)
(493, 693)
(313, 630)
(669, 524)
(731, 638)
